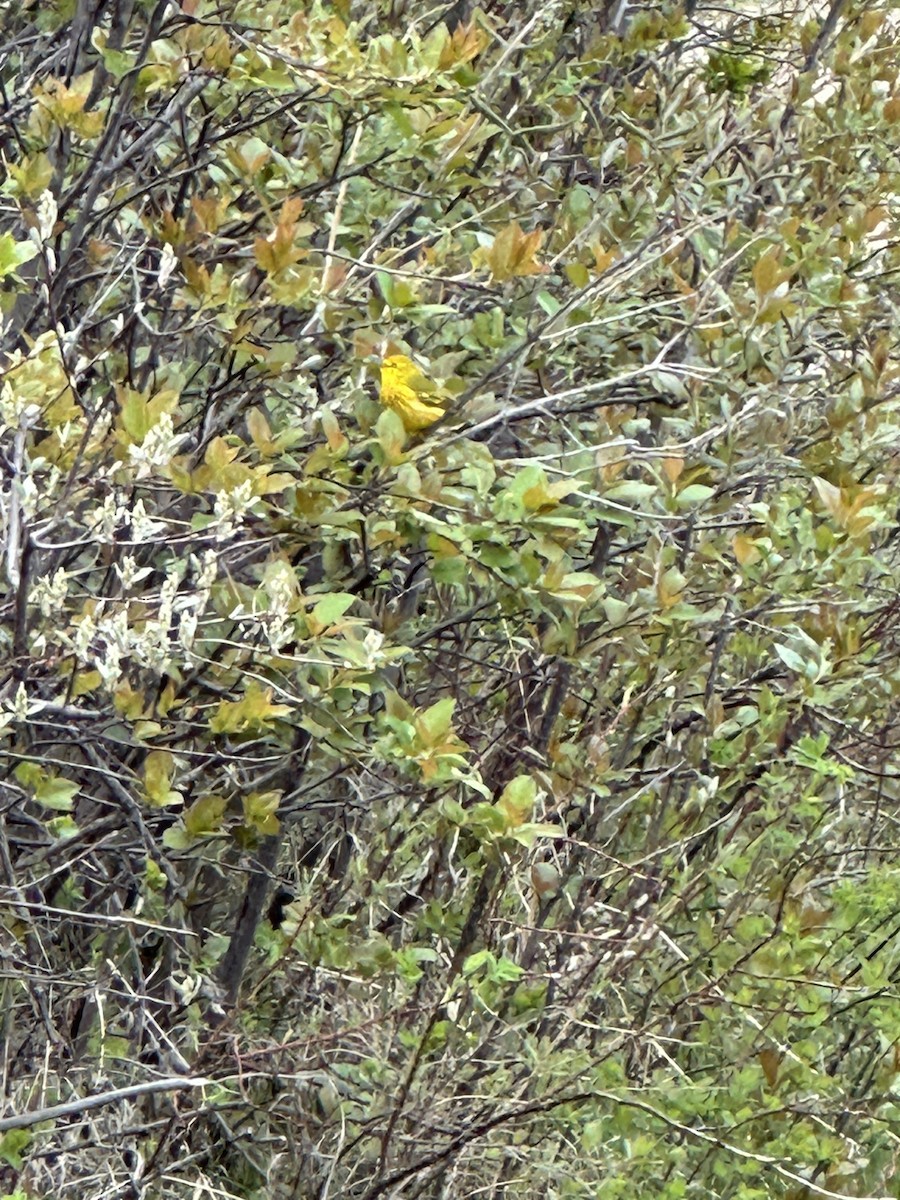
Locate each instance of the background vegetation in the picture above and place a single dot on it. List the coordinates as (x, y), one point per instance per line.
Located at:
(503, 806)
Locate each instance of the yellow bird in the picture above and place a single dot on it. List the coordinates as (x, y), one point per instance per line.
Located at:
(404, 389)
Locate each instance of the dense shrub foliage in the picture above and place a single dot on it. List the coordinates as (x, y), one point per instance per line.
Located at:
(449, 692)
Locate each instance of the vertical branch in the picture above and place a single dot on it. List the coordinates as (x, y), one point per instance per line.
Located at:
(232, 966)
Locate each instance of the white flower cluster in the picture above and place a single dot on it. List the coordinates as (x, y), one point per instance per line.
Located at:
(33, 492)
(372, 644)
(280, 585)
(130, 573)
(103, 638)
(207, 569)
(143, 527)
(18, 708)
(110, 516)
(230, 509)
(20, 703)
(167, 264)
(153, 642)
(157, 449)
(47, 212)
(101, 641)
(16, 410)
(103, 521)
(49, 593)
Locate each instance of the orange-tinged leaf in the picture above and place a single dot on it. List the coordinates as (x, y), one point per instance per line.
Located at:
(860, 512)
(770, 1061)
(513, 253)
(875, 216)
(768, 272)
(775, 311)
(210, 211)
(853, 509)
(98, 252)
(715, 712)
(290, 211)
(813, 916)
(465, 43)
(670, 588)
(278, 250)
(197, 277)
(682, 285)
(870, 22)
(260, 432)
(745, 549)
(603, 258)
(337, 441)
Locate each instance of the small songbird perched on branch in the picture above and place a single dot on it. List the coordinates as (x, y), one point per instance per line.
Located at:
(409, 392)
(547, 880)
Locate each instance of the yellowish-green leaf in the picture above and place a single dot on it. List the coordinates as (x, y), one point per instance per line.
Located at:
(205, 816)
(517, 800)
(13, 254)
(328, 611)
(254, 713)
(260, 809)
(159, 766)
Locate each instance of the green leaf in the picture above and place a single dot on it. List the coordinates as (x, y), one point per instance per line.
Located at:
(13, 1145)
(57, 793)
(530, 832)
(434, 724)
(62, 827)
(791, 659)
(13, 254)
(694, 493)
(329, 610)
(476, 961)
(140, 412)
(616, 610)
(52, 791)
(631, 491)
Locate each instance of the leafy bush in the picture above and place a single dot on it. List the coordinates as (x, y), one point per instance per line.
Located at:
(450, 580)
